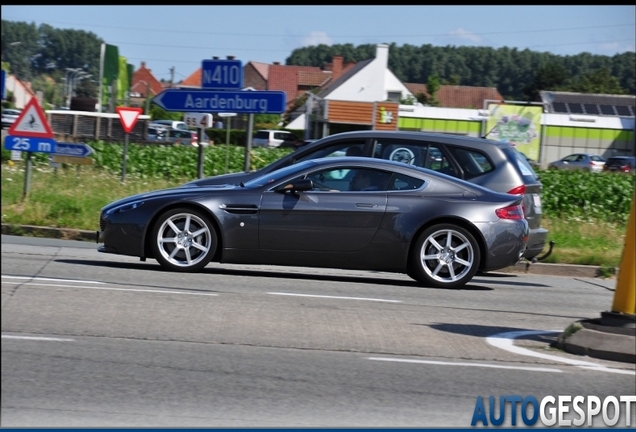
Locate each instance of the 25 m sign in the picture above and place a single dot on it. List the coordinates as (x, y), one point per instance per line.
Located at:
(36, 145)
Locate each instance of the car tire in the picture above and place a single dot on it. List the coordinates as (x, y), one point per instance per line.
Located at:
(183, 240)
(445, 256)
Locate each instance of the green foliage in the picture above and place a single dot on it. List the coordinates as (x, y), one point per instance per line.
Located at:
(180, 162)
(511, 71)
(587, 196)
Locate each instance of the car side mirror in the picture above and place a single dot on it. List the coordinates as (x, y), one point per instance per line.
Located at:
(293, 186)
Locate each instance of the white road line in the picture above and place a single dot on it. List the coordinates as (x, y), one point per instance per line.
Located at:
(335, 297)
(37, 338)
(505, 341)
(52, 280)
(116, 289)
(483, 365)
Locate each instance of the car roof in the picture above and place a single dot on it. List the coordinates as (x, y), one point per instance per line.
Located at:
(469, 141)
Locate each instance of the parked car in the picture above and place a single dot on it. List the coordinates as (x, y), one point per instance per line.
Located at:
(579, 161)
(170, 124)
(157, 134)
(438, 229)
(621, 164)
(9, 116)
(273, 138)
(493, 164)
(186, 137)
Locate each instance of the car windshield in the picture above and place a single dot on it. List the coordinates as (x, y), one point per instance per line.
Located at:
(276, 175)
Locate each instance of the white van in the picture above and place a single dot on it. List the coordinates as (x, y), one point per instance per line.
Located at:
(170, 124)
(272, 138)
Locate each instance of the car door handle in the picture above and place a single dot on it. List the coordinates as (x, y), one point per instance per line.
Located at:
(365, 205)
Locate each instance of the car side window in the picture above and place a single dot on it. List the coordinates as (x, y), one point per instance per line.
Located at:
(472, 162)
(338, 148)
(422, 154)
(404, 182)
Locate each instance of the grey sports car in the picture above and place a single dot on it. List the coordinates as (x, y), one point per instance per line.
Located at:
(335, 212)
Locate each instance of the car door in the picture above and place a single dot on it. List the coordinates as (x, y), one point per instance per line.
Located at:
(327, 218)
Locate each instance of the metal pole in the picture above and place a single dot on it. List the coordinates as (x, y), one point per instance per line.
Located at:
(199, 141)
(27, 175)
(227, 144)
(248, 144)
(123, 162)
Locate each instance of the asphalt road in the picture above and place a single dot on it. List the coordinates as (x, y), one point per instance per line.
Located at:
(96, 340)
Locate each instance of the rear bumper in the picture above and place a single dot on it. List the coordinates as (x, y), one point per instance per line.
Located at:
(537, 240)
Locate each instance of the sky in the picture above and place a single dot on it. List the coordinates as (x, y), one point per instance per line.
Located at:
(180, 37)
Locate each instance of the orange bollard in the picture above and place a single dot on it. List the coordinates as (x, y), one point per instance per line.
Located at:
(625, 294)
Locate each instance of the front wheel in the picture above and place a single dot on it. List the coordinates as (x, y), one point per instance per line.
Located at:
(445, 256)
(183, 240)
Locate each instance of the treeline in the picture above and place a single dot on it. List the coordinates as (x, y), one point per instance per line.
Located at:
(518, 75)
(31, 52)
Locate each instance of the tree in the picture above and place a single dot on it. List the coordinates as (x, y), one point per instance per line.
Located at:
(552, 76)
(599, 81)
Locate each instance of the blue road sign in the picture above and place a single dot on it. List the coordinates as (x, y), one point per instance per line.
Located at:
(73, 149)
(222, 74)
(30, 144)
(257, 102)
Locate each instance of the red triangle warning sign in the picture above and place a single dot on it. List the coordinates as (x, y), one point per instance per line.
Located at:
(31, 122)
(128, 117)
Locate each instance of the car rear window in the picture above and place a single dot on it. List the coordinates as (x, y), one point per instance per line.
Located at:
(262, 135)
(522, 164)
(474, 163)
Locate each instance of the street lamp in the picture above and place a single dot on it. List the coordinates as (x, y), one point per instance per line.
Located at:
(68, 84)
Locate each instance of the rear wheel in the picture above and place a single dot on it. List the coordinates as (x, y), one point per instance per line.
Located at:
(445, 256)
(183, 240)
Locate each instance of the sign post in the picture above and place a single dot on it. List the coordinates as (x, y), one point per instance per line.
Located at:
(227, 137)
(200, 121)
(221, 83)
(30, 133)
(128, 117)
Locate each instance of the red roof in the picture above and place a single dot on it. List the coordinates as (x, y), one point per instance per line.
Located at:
(454, 96)
(142, 78)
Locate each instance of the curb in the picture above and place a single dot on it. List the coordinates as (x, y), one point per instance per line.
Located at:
(591, 338)
(47, 232)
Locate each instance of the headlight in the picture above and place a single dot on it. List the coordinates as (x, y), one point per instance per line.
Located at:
(126, 207)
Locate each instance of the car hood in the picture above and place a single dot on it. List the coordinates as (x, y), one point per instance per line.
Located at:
(224, 179)
(176, 193)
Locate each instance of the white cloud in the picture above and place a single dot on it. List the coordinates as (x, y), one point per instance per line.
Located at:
(317, 38)
(463, 34)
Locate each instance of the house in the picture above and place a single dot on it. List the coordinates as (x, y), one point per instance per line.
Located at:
(456, 96)
(581, 104)
(294, 81)
(365, 95)
(143, 82)
(21, 91)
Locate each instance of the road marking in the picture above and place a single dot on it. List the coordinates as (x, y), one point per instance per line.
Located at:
(483, 365)
(52, 280)
(336, 297)
(114, 289)
(505, 341)
(37, 338)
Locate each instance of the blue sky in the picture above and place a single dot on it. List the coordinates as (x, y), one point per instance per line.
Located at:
(182, 36)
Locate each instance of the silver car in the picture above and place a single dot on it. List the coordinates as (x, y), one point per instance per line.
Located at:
(579, 161)
(493, 164)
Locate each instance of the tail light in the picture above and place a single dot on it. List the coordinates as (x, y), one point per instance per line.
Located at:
(511, 212)
(519, 190)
